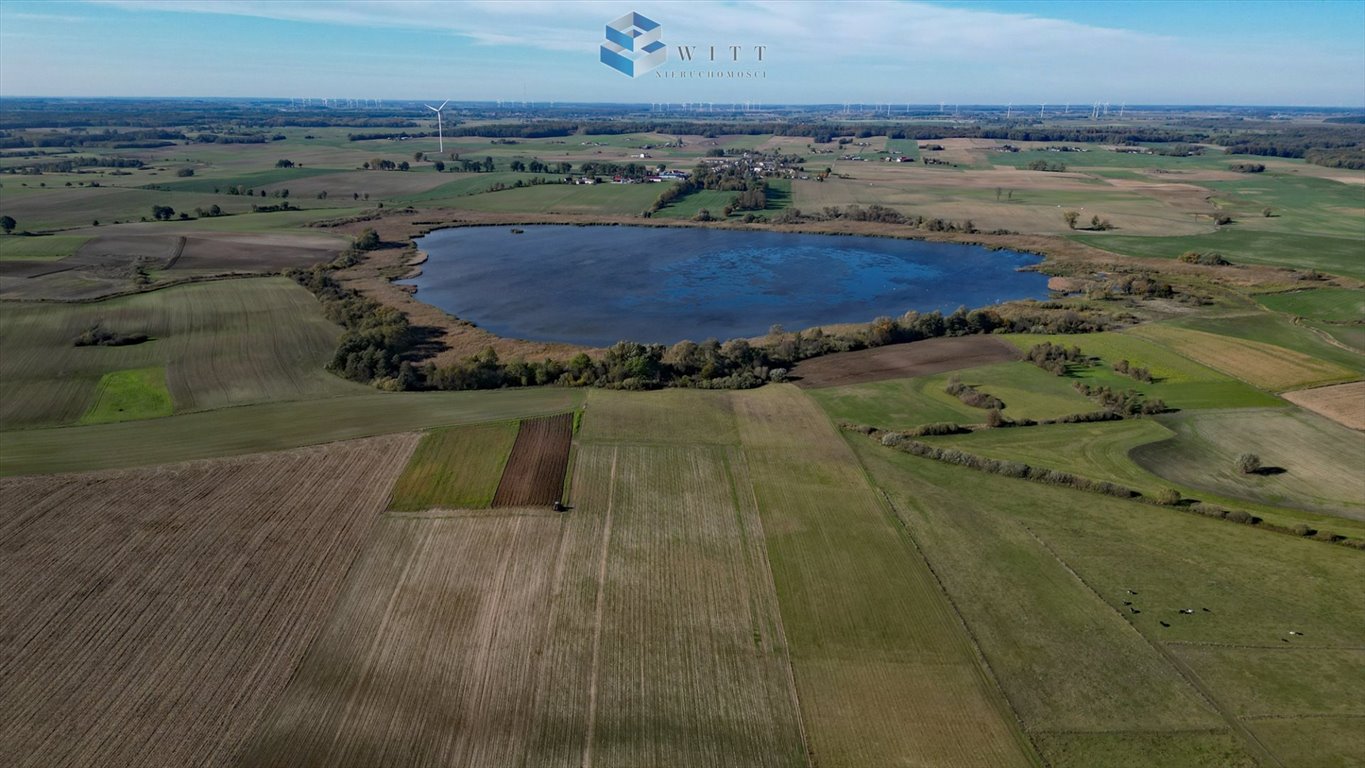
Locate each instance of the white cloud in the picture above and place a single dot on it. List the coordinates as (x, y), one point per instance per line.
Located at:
(861, 50)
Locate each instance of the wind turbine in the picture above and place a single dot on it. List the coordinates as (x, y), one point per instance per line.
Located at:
(440, 133)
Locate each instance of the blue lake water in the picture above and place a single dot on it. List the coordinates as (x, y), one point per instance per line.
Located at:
(602, 284)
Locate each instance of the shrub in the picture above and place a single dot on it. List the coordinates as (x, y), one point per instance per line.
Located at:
(1168, 497)
(1248, 463)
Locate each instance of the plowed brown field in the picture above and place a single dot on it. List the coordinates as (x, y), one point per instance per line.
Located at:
(535, 471)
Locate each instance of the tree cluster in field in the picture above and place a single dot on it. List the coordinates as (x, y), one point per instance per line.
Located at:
(971, 395)
(1056, 359)
(1247, 167)
(390, 135)
(238, 138)
(1096, 223)
(99, 336)
(1133, 371)
(880, 214)
(1128, 402)
(1178, 149)
(1207, 258)
(1139, 285)
(377, 338)
(1047, 165)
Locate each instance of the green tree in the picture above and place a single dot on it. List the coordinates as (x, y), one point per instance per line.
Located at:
(1071, 218)
(367, 240)
(8, 224)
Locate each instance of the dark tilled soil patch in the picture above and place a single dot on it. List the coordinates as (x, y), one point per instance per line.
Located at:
(534, 474)
(899, 361)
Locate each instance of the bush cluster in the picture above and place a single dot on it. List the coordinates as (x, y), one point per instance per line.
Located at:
(972, 396)
(1128, 369)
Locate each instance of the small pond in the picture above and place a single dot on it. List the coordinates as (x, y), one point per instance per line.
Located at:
(596, 285)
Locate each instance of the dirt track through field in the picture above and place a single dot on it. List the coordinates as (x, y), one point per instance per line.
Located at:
(899, 361)
(152, 617)
(535, 471)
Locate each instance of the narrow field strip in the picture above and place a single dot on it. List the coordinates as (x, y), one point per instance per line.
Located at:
(885, 671)
(534, 473)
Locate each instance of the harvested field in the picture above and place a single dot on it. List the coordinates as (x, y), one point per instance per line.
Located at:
(254, 252)
(107, 264)
(534, 474)
(1263, 365)
(1342, 403)
(899, 361)
(152, 617)
(640, 629)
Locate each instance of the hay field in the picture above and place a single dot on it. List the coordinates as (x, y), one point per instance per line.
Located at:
(152, 617)
(1342, 403)
(1262, 365)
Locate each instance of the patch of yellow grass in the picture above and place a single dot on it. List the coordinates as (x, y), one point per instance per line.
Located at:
(1262, 365)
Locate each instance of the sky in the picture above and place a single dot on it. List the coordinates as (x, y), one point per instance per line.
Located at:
(1295, 53)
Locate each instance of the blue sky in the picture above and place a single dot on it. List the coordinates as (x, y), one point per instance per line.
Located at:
(1304, 52)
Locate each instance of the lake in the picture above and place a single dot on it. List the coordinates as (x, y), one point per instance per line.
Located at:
(596, 285)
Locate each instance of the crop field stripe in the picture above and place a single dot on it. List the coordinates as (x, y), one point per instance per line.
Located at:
(534, 473)
(884, 670)
(764, 566)
(597, 613)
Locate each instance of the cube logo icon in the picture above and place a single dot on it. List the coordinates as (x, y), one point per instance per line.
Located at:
(632, 46)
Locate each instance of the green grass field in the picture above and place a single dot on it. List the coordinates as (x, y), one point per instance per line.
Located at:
(223, 343)
(47, 248)
(1179, 381)
(1041, 575)
(1318, 460)
(264, 427)
(1266, 366)
(128, 395)
(1333, 305)
(1271, 328)
(1102, 451)
(883, 667)
(1336, 255)
(455, 468)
